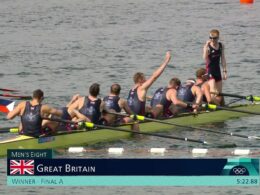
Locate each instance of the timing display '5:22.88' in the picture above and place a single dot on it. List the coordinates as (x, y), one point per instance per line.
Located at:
(247, 181)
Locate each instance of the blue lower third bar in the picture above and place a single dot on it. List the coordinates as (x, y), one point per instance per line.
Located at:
(133, 181)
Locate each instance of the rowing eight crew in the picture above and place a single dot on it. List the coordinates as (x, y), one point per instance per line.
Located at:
(166, 102)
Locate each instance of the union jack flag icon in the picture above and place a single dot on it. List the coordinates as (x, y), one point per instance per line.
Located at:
(21, 167)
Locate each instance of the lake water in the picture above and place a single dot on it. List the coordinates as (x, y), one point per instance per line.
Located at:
(64, 46)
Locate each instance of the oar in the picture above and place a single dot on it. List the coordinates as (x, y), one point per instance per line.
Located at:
(249, 97)
(6, 105)
(92, 125)
(10, 90)
(143, 118)
(215, 107)
(21, 97)
(9, 130)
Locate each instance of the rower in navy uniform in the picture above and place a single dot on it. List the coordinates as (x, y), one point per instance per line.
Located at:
(163, 99)
(137, 95)
(87, 108)
(114, 103)
(189, 93)
(160, 103)
(31, 113)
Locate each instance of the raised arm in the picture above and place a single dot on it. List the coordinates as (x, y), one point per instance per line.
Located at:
(157, 73)
(206, 51)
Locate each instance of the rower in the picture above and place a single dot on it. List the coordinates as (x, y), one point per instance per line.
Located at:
(189, 93)
(164, 97)
(87, 108)
(202, 83)
(62, 126)
(31, 113)
(137, 95)
(114, 103)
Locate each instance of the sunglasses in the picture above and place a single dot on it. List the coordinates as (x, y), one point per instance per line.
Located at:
(213, 38)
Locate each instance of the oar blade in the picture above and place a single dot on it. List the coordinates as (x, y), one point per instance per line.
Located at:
(6, 105)
(254, 137)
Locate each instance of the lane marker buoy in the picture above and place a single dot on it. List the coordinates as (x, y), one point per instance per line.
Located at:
(199, 151)
(157, 150)
(240, 152)
(115, 150)
(76, 149)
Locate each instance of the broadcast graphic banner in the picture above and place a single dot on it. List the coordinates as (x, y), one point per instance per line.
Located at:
(133, 181)
(24, 168)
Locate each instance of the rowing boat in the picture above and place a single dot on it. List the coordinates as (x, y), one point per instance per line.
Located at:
(83, 137)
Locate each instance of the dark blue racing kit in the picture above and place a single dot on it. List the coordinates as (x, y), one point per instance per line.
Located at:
(137, 106)
(31, 120)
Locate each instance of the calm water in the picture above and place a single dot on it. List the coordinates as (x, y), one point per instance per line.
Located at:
(64, 46)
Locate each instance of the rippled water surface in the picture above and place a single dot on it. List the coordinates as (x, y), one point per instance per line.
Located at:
(64, 46)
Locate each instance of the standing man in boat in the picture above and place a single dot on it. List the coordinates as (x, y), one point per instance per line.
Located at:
(137, 95)
(213, 54)
(87, 108)
(31, 113)
(202, 83)
(164, 97)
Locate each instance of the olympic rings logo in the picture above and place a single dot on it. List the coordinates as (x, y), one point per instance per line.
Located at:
(239, 170)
